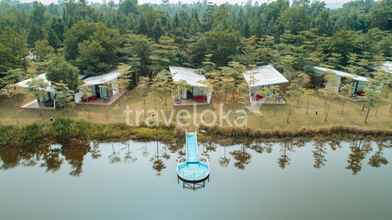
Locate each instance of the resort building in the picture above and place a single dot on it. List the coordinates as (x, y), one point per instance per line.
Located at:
(265, 84)
(46, 98)
(358, 83)
(96, 90)
(100, 90)
(192, 87)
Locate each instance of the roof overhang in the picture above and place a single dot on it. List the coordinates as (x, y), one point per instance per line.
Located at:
(188, 75)
(101, 79)
(264, 76)
(342, 74)
(26, 83)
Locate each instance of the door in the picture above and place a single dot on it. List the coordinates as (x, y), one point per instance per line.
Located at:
(103, 91)
(97, 91)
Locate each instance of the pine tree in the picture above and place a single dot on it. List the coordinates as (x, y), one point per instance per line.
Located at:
(157, 30)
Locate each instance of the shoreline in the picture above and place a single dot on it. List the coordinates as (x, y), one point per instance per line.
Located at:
(70, 131)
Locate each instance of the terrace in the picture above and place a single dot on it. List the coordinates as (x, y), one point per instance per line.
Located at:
(100, 90)
(357, 83)
(265, 84)
(191, 89)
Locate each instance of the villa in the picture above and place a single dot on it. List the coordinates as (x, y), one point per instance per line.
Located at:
(358, 83)
(192, 87)
(45, 100)
(265, 77)
(100, 90)
(96, 90)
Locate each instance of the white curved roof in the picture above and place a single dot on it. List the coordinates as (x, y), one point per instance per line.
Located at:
(101, 79)
(26, 83)
(264, 76)
(342, 74)
(189, 75)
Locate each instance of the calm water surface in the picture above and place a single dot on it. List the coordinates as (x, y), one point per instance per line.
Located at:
(132, 180)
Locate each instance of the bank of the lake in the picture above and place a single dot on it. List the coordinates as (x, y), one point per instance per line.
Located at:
(68, 131)
(310, 112)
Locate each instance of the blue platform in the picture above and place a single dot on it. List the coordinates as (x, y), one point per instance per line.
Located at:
(192, 170)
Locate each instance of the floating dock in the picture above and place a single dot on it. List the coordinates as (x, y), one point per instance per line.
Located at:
(192, 169)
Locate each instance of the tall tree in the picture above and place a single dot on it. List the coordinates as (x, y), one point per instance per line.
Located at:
(60, 71)
(37, 30)
(93, 47)
(12, 56)
(128, 6)
(42, 50)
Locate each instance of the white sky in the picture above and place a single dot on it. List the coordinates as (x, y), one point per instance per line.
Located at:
(233, 1)
(332, 2)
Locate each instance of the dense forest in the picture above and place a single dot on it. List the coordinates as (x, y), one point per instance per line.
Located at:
(70, 38)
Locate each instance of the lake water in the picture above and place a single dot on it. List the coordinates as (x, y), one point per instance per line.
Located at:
(133, 180)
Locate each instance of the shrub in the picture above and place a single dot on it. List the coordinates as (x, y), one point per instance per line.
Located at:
(62, 129)
(31, 135)
(6, 135)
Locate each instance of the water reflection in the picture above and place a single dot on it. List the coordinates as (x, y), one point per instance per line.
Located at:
(193, 185)
(241, 157)
(129, 156)
(224, 161)
(52, 157)
(319, 154)
(159, 157)
(378, 159)
(74, 155)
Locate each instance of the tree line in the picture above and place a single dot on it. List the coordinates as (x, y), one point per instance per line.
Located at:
(91, 39)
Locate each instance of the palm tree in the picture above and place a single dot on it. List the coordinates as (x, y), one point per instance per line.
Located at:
(129, 155)
(114, 157)
(144, 86)
(157, 162)
(378, 159)
(95, 152)
(346, 91)
(294, 91)
(373, 93)
(215, 82)
(329, 92)
(38, 87)
(232, 80)
(284, 159)
(224, 161)
(319, 154)
(242, 157)
(163, 86)
(359, 150)
(308, 94)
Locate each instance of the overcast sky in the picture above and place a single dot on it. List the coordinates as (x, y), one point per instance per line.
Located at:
(329, 2)
(234, 1)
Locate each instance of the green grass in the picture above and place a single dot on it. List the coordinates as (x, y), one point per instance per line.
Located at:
(270, 117)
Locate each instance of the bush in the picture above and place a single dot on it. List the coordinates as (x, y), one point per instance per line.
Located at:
(62, 129)
(31, 135)
(6, 135)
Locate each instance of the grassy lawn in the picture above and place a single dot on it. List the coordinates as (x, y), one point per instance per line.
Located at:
(300, 113)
